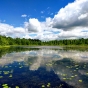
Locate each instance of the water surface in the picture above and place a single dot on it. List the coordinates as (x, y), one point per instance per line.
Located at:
(43, 67)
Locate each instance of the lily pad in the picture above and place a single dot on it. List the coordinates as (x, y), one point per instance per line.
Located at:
(80, 80)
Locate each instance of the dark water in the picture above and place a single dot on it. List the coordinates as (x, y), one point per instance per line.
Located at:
(43, 67)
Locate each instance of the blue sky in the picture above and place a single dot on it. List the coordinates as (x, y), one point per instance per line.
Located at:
(11, 10)
(44, 19)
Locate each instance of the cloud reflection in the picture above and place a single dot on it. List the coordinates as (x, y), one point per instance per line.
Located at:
(70, 72)
(44, 55)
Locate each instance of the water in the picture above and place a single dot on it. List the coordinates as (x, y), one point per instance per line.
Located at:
(43, 67)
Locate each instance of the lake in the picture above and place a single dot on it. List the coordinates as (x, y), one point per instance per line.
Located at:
(43, 67)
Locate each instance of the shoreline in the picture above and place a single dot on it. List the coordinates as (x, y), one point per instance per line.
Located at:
(7, 46)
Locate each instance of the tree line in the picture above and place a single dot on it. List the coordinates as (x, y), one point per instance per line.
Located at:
(18, 41)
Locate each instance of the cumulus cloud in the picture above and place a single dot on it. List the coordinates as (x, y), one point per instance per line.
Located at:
(24, 15)
(73, 15)
(8, 30)
(73, 34)
(33, 25)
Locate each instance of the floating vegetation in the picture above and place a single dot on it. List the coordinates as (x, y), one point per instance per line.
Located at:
(6, 66)
(80, 80)
(30, 63)
(64, 74)
(6, 72)
(69, 78)
(72, 76)
(49, 64)
(60, 86)
(76, 65)
(17, 87)
(76, 75)
(87, 73)
(68, 66)
(10, 75)
(48, 85)
(77, 68)
(1, 76)
(43, 86)
(20, 66)
(64, 78)
(5, 86)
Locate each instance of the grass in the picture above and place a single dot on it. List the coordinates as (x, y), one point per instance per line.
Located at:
(7, 46)
(73, 47)
(76, 47)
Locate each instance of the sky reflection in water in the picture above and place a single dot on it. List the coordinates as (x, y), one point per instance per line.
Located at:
(44, 68)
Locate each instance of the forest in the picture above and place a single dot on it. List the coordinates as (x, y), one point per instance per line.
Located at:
(18, 41)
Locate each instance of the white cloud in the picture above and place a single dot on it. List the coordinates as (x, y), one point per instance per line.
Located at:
(27, 36)
(71, 22)
(24, 15)
(73, 15)
(83, 16)
(74, 34)
(19, 30)
(8, 30)
(33, 25)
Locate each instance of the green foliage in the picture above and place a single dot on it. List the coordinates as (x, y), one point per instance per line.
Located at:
(18, 41)
(3, 40)
(68, 42)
